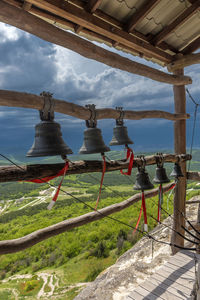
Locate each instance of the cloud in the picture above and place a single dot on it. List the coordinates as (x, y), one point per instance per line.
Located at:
(26, 62)
(32, 65)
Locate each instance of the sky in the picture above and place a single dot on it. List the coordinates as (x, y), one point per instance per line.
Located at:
(29, 64)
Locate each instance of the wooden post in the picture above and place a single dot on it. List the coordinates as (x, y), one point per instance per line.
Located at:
(179, 147)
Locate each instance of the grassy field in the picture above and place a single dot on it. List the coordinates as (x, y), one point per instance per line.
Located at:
(58, 267)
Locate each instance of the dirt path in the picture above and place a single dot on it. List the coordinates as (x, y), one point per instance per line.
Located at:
(48, 281)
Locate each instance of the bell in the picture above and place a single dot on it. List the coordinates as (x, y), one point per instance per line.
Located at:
(48, 140)
(120, 136)
(142, 181)
(93, 142)
(177, 172)
(161, 176)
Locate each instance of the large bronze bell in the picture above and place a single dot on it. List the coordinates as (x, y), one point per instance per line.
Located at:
(93, 142)
(48, 137)
(177, 172)
(48, 140)
(120, 136)
(161, 176)
(142, 180)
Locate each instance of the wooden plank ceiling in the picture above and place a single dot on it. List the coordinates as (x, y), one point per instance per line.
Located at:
(157, 30)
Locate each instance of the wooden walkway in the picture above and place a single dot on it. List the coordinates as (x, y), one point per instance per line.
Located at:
(174, 280)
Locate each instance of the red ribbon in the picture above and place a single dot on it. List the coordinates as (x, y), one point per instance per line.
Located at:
(46, 179)
(171, 187)
(159, 202)
(130, 156)
(144, 210)
(102, 177)
(58, 188)
(138, 221)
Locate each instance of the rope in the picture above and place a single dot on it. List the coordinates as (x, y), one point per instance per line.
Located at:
(130, 156)
(194, 123)
(111, 218)
(101, 183)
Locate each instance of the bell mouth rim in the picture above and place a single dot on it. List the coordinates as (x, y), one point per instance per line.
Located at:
(95, 152)
(120, 144)
(160, 182)
(145, 189)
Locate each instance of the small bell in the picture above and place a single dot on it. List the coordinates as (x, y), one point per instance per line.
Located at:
(93, 140)
(177, 172)
(142, 180)
(160, 176)
(48, 137)
(120, 133)
(120, 136)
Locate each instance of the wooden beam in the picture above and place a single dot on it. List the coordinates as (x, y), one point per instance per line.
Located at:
(15, 245)
(193, 176)
(138, 16)
(30, 172)
(111, 20)
(25, 21)
(26, 6)
(195, 45)
(185, 61)
(92, 5)
(179, 147)
(102, 15)
(89, 21)
(188, 13)
(25, 100)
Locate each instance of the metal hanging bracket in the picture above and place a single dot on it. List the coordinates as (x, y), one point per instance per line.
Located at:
(92, 122)
(47, 112)
(143, 162)
(120, 120)
(159, 159)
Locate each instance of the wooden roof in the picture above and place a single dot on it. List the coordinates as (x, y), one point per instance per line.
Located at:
(157, 30)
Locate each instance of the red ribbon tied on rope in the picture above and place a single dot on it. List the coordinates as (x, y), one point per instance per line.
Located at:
(46, 179)
(138, 221)
(144, 212)
(53, 201)
(130, 156)
(102, 177)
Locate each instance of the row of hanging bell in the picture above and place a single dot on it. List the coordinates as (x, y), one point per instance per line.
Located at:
(48, 137)
(142, 178)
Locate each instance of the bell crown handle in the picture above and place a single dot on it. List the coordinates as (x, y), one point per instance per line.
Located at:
(120, 119)
(47, 112)
(92, 122)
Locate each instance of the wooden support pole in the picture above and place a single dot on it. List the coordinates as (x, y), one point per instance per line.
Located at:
(179, 147)
(29, 172)
(15, 245)
(34, 25)
(25, 100)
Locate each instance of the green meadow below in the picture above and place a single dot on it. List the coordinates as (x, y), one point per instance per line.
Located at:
(60, 266)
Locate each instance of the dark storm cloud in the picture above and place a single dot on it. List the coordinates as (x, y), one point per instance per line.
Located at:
(26, 65)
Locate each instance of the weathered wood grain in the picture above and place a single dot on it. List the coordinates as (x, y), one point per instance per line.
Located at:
(25, 100)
